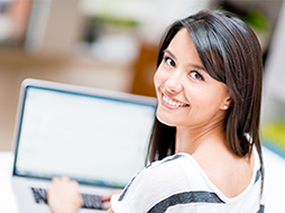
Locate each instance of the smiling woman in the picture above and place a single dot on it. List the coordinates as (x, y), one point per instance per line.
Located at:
(204, 151)
(187, 94)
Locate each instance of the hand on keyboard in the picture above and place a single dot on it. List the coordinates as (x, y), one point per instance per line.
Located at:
(106, 198)
(63, 196)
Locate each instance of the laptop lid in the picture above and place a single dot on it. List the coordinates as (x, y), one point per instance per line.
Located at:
(93, 136)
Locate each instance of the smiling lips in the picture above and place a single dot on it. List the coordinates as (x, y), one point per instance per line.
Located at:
(168, 102)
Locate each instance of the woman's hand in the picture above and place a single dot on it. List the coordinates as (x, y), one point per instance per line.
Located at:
(63, 196)
(110, 211)
(106, 198)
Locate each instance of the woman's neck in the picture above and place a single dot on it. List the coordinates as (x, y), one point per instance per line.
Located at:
(190, 139)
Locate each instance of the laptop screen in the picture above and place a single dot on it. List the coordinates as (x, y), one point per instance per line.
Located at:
(90, 138)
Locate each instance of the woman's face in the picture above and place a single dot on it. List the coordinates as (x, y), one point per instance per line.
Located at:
(187, 94)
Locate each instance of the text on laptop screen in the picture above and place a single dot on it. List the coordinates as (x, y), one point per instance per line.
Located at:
(91, 139)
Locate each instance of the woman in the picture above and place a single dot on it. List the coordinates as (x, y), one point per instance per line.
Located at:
(205, 149)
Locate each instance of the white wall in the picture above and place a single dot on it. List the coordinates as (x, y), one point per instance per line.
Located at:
(274, 77)
(154, 15)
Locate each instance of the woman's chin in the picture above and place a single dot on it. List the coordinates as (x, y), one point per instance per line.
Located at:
(164, 121)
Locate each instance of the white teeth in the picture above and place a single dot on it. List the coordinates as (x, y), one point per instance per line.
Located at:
(171, 102)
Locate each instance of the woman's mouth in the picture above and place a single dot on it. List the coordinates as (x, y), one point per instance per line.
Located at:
(167, 101)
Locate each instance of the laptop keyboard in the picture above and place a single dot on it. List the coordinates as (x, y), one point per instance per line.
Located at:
(90, 201)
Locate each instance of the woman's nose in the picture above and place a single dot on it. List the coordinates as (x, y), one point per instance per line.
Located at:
(174, 82)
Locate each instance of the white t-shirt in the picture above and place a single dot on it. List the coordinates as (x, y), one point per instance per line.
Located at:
(178, 184)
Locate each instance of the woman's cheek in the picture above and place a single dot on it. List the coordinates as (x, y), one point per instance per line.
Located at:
(157, 78)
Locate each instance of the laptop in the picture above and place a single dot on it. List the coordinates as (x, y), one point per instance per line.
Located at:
(96, 137)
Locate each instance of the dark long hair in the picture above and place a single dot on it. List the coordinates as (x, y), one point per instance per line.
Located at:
(230, 52)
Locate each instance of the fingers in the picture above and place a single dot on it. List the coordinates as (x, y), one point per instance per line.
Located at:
(55, 179)
(108, 196)
(60, 179)
(105, 197)
(63, 195)
(81, 200)
(110, 210)
(106, 205)
(64, 179)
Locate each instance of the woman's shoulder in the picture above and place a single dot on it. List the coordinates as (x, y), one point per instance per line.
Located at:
(169, 161)
(181, 164)
(227, 173)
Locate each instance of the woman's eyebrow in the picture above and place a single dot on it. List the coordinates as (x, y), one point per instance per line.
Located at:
(198, 67)
(193, 65)
(168, 52)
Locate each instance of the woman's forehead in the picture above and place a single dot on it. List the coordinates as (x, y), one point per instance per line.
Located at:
(183, 48)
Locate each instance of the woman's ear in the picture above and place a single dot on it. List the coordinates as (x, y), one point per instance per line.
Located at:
(227, 104)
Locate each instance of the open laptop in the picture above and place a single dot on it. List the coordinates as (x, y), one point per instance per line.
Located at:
(98, 138)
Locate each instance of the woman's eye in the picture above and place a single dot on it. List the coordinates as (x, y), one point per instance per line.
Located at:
(169, 61)
(195, 75)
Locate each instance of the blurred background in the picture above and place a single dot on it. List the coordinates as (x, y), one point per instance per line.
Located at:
(112, 44)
